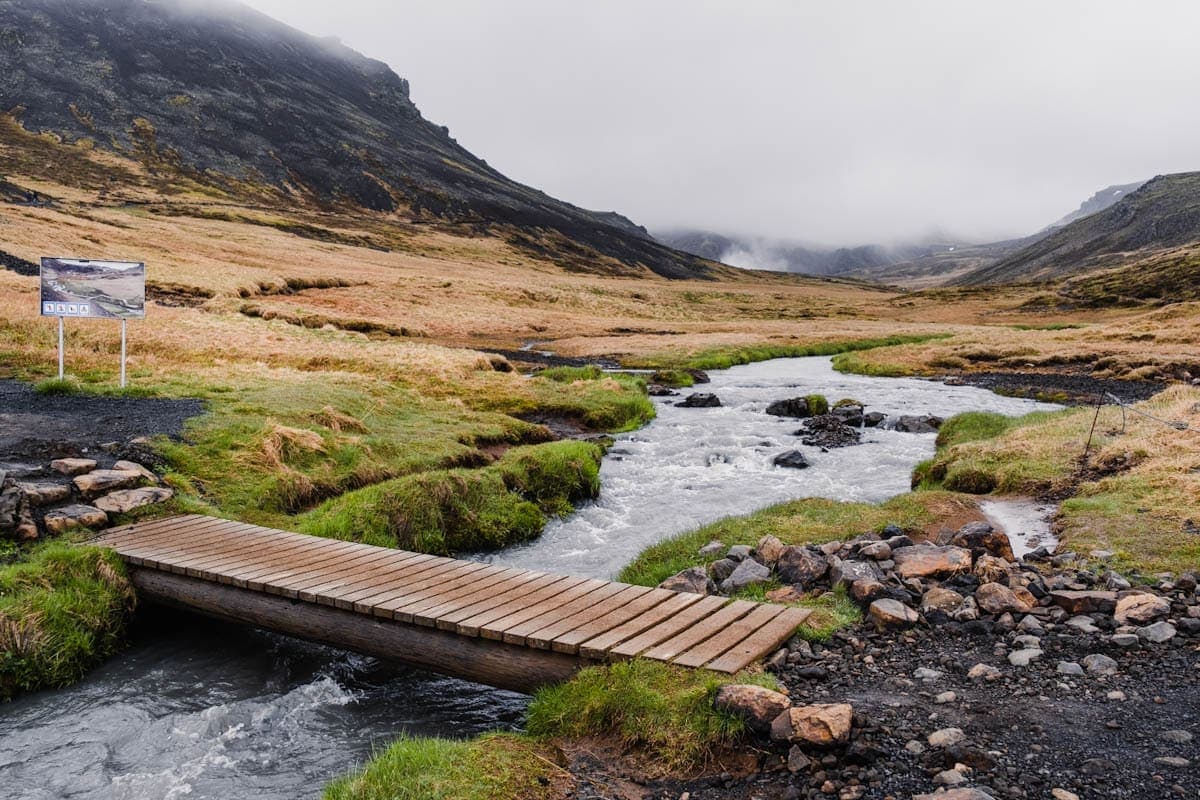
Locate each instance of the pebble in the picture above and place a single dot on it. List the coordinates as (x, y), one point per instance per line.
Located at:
(1023, 658)
(984, 672)
(946, 737)
(1069, 668)
(945, 697)
(926, 674)
(1124, 639)
(1176, 736)
(1099, 664)
(1116, 695)
(1063, 794)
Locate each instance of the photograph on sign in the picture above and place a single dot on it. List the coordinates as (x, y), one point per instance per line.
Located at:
(82, 288)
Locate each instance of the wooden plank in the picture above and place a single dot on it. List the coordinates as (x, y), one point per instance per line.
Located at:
(158, 536)
(699, 631)
(544, 636)
(374, 581)
(459, 587)
(511, 578)
(470, 626)
(331, 566)
(667, 628)
(364, 601)
(426, 588)
(333, 592)
(127, 533)
(602, 597)
(342, 551)
(598, 646)
(449, 620)
(762, 642)
(497, 627)
(409, 587)
(174, 545)
(726, 638)
(569, 642)
(248, 552)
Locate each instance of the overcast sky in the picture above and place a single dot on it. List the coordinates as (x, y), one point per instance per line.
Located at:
(838, 122)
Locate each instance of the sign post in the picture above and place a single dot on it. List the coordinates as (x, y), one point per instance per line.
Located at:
(75, 287)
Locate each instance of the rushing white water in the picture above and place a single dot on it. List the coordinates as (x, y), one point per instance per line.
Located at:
(207, 711)
(1025, 521)
(692, 466)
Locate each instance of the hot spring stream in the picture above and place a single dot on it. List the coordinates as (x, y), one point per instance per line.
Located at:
(196, 709)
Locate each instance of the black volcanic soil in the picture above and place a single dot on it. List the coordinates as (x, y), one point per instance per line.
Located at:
(36, 427)
(1074, 387)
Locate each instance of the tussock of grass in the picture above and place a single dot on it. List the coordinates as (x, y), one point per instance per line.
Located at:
(450, 511)
(676, 378)
(421, 768)
(571, 374)
(62, 609)
(875, 366)
(812, 520)
(666, 712)
(56, 387)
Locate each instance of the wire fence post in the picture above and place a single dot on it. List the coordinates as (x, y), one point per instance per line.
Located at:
(60, 348)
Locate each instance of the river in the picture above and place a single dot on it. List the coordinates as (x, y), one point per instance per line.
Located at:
(197, 709)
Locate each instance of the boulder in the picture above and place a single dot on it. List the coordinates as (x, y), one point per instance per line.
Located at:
(133, 466)
(800, 565)
(866, 590)
(981, 538)
(748, 573)
(877, 551)
(658, 390)
(72, 517)
(1157, 633)
(1141, 609)
(739, 552)
(996, 598)
(914, 424)
(989, 568)
(946, 737)
(722, 568)
(798, 407)
(73, 466)
(849, 413)
(44, 494)
(1084, 602)
(759, 707)
(1099, 664)
(873, 419)
(827, 431)
(103, 481)
(124, 500)
(1024, 657)
(930, 561)
(793, 459)
(888, 613)
(700, 400)
(846, 572)
(820, 724)
(769, 549)
(692, 579)
(941, 599)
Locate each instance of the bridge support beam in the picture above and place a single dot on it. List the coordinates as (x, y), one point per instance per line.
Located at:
(494, 663)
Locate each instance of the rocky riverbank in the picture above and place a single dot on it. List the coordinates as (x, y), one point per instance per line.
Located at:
(975, 676)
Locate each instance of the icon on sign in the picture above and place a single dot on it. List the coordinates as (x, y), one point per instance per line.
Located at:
(47, 308)
(72, 308)
(61, 308)
(85, 309)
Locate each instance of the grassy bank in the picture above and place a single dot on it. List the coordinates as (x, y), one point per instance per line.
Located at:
(660, 718)
(1133, 494)
(731, 356)
(62, 610)
(447, 511)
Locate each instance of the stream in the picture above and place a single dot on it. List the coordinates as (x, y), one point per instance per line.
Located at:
(198, 709)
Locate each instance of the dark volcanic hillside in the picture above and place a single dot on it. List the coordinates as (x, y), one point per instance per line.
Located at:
(1162, 214)
(217, 89)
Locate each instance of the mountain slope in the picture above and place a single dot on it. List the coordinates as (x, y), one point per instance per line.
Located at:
(1101, 200)
(226, 96)
(1162, 214)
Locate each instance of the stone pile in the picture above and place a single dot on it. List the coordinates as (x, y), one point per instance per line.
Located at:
(73, 493)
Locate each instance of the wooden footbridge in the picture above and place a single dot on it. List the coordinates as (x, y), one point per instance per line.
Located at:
(507, 627)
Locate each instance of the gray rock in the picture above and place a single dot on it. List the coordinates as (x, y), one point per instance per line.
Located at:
(1157, 633)
(923, 424)
(1023, 658)
(888, 613)
(1124, 639)
(748, 573)
(1176, 736)
(700, 400)
(1175, 762)
(1099, 664)
(124, 500)
(692, 579)
(797, 761)
(946, 737)
(846, 572)
(72, 517)
(739, 552)
(1069, 668)
(801, 565)
(927, 674)
(712, 548)
(722, 568)
(791, 459)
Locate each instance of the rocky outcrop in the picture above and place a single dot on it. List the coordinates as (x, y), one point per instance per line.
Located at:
(792, 459)
(700, 400)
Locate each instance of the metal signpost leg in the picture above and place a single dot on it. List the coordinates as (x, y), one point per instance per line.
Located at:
(60, 348)
(123, 321)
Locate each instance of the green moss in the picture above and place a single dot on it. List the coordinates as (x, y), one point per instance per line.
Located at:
(675, 378)
(664, 711)
(463, 510)
(421, 768)
(817, 404)
(62, 610)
